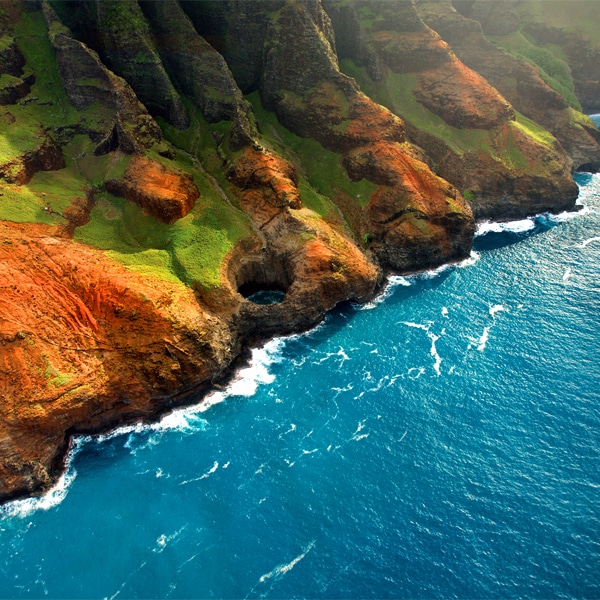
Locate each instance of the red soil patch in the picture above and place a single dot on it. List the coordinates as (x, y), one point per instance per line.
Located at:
(84, 345)
(166, 194)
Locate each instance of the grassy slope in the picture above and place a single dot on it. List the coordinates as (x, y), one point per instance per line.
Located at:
(396, 92)
(322, 175)
(550, 63)
(190, 250)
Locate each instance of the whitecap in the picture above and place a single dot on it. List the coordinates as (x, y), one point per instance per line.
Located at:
(434, 353)
(496, 308)
(567, 274)
(483, 340)
(444, 311)
(203, 476)
(420, 371)
(520, 226)
(589, 241)
(285, 568)
(417, 325)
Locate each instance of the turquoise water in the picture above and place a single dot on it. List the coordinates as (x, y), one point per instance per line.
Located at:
(440, 442)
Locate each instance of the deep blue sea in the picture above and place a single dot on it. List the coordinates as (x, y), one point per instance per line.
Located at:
(442, 441)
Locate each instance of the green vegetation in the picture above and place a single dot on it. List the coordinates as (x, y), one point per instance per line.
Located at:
(396, 92)
(553, 69)
(321, 168)
(535, 131)
(190, 250)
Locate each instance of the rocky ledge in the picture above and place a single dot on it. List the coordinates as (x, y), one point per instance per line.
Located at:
(161, 161)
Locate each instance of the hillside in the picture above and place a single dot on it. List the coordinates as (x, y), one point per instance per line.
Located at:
(161, 161)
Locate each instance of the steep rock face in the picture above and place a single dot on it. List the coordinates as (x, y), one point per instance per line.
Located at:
(416, 217)
(492, 153)
(86, 80)
(518, 81)
(120, 34)
(11, 58)
(237, 31)
(198, 70)
(315, 265)
(328, 106)
(166, 194)
(45, 156)
(102, 347)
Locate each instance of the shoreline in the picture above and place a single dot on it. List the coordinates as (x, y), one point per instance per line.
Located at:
(197, 394)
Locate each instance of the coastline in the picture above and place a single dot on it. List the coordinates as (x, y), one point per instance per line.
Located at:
(196, 398)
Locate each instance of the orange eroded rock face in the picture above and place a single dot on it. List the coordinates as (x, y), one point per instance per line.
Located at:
(166, 194)
(86, 345)
(415, 216)
(269, 183)
(461, 97)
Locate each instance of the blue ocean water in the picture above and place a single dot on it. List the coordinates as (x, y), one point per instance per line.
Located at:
(440, 442)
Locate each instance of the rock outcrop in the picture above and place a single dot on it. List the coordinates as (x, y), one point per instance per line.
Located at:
(164, 193)
(85, 346)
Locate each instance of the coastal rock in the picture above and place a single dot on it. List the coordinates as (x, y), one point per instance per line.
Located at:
(166, 194)
(85, 346)
(328, 106)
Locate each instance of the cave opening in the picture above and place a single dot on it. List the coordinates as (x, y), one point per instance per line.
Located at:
(261, 279)
(262, 295)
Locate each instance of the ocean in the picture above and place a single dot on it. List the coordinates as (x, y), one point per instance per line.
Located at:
(442, 441)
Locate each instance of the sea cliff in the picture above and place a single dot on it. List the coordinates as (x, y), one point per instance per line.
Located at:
(162, 160)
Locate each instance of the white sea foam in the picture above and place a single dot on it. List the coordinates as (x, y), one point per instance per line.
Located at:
(417, 325)
(589, 241)
(566, 215)
(567, 274)
(285, 568)
(163, 540)
(393, 282)
(249, 378)
(433, 273)
(521, 226)
(470, 261)
(53, 497)
(203, 476)
(444, 311)
(484, 339)
(434, 353)
(496, 309)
